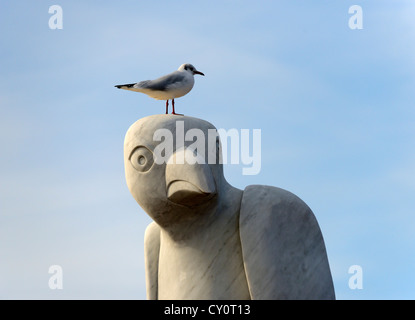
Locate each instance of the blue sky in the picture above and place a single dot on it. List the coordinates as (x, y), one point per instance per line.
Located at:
(335, 107)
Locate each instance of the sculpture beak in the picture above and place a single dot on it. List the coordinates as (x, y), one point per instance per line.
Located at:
(188, 184)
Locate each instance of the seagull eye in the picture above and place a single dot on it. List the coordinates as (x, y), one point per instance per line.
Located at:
(141, 159)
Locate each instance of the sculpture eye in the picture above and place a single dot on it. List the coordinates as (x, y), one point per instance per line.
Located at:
(142, 159)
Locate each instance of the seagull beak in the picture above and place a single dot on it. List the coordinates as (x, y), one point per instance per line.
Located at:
(198, 72)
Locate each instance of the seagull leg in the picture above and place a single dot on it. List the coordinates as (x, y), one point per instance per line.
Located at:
(174, 112)
(167, 106)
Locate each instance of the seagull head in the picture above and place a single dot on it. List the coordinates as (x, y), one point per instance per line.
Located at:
(187, 67)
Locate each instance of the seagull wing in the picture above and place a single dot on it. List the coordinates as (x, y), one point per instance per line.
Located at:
(163, 83)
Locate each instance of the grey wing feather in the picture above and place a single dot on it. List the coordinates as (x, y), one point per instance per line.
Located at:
(162, 83)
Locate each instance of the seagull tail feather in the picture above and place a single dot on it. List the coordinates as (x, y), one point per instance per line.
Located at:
(126, 86)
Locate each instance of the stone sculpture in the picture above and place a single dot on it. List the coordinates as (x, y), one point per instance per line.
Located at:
(210, 240)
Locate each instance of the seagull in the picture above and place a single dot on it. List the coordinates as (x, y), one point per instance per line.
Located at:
(171, 86)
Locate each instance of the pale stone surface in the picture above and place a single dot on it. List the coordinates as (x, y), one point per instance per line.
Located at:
(283, 248)
(210, 240)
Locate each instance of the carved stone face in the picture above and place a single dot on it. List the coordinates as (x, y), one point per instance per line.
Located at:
(172, 163)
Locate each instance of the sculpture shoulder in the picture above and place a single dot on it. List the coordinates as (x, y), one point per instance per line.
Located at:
(267, 199)
(269, 214)
(283, 248)
(151, 259)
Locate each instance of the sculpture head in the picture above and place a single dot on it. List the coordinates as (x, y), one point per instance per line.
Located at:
(172, 165)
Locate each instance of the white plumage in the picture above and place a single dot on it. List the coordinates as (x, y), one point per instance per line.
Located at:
(168, 87)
